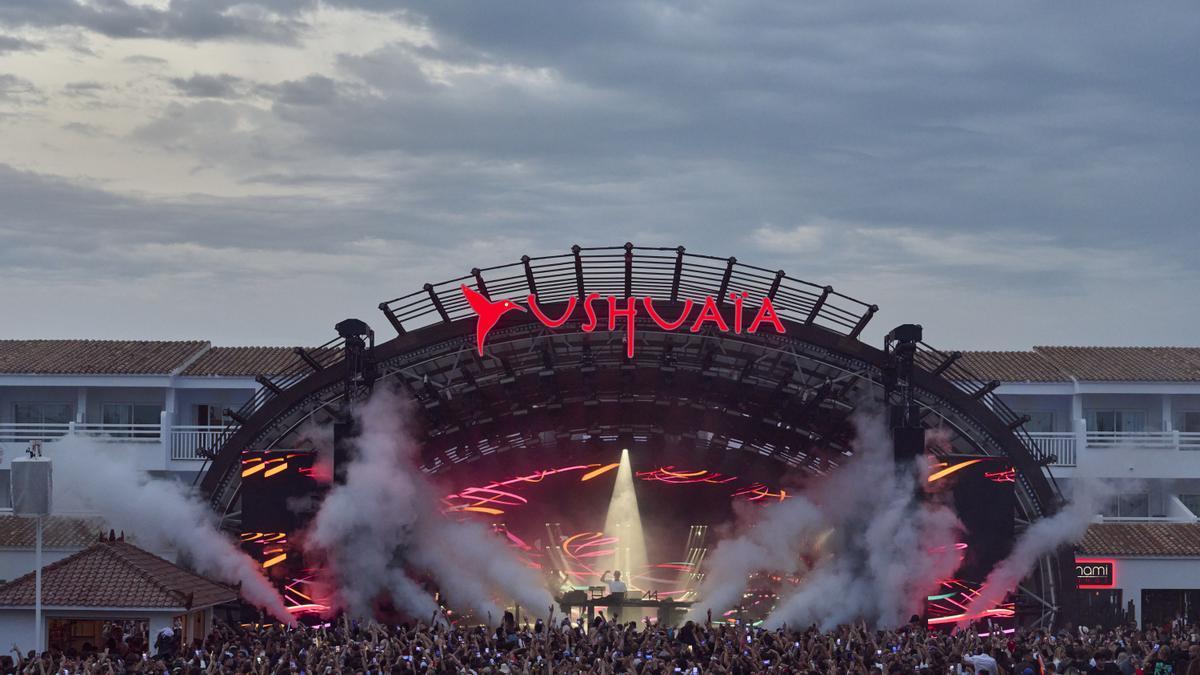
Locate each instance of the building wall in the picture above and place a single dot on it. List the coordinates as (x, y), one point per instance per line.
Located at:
(1137, 574)
(186, 401)
(1151, 404)
(17, 625)
(1060, 406)
(12, 395)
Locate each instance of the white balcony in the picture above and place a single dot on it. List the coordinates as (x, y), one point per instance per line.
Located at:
(1129, 454)
(1057, 444)
(187, 441)
(161, 446)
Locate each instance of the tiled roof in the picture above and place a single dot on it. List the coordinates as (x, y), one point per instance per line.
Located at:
(96, 357)
(58, 532)
(243, 361)
(1011, 367)
(1141, 539)
(1086, 364)
(116, 574)
(1138, 364)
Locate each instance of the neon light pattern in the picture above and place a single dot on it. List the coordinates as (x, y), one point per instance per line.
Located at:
(760, 491)
(489, 499)
(598, 472)
(669, 474)
(950, 605)
(1006, 476)
(953, 468)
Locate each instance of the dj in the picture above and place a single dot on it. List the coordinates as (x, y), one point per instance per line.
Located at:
(616, 592)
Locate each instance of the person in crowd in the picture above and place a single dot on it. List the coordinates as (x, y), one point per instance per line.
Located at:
(561, 645)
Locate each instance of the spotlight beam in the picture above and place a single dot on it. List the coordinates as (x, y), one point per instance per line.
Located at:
(624, 521)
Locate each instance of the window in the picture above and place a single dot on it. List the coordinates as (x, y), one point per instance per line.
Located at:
(1040, 421)
(1192, 502)
(51, 418)
(211, 415)
(1189, 422)
(131, 416)
(42, 413)
(1117, 420)
(1130, 505)
(5, 489)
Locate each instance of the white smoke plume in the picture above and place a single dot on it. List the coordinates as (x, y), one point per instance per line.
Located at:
(385, 522)
(1041, 538)
(90, 476)
(887, 549)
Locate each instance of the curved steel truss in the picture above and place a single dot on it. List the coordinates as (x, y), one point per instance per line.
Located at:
(787, 397)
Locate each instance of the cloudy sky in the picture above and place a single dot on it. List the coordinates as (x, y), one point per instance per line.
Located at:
(1006, 174)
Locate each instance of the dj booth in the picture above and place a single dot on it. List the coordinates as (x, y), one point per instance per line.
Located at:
(670, 612)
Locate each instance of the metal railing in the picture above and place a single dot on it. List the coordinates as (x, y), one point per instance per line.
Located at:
(189, 442)
(948, 366)
(631, 271)
(1057, 444)
(1148, 440)
(24, 432)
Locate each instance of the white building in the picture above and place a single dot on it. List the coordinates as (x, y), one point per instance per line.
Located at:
(1130, 414)
(1126, 413)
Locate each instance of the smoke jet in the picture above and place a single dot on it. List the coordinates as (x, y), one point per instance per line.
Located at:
(887, 548)
(1041, 538)
(161, 513)
(384, 524)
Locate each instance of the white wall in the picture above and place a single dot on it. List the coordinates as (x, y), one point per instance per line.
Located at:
(16, 625)
(1150, 403)
(1059, 405)
(1137, 574)
(186, 401)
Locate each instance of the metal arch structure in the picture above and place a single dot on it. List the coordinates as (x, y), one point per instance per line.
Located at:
(787, 396)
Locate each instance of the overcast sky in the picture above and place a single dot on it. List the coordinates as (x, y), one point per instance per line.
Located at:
(1007, 174)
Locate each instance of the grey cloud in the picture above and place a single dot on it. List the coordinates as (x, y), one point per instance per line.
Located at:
(182, 19)
(84, 88)
(209, 86)
(312, 90)
(144, 59)
(933, 113)
(952, 163)
(10, 43)
(18, 90)
(85, 129)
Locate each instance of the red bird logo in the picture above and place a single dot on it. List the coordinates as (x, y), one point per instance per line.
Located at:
(489, 313)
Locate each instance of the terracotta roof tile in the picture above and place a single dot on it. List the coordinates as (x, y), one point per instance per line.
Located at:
(96, 357)
(243, 361)
(116, 574)
(1141, 539)
(1137, 364)
(1011, 367)
(57, 532)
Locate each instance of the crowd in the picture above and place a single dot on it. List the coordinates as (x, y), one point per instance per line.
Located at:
(562, 646)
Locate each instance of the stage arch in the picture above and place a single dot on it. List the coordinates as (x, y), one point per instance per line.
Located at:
(786, 397)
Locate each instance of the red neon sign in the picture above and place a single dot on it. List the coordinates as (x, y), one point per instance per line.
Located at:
(490, 311)
(1095, 573)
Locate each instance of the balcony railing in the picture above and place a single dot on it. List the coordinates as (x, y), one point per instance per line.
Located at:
(1149, 440)
(24, 432)
(184, 441)
(1063, 445)
(188, 440)
(1058, 444)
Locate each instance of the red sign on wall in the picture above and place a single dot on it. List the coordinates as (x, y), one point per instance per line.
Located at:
(490, 311)
(1095, 573)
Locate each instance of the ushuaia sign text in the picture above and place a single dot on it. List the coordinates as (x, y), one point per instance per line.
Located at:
(490, 311)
